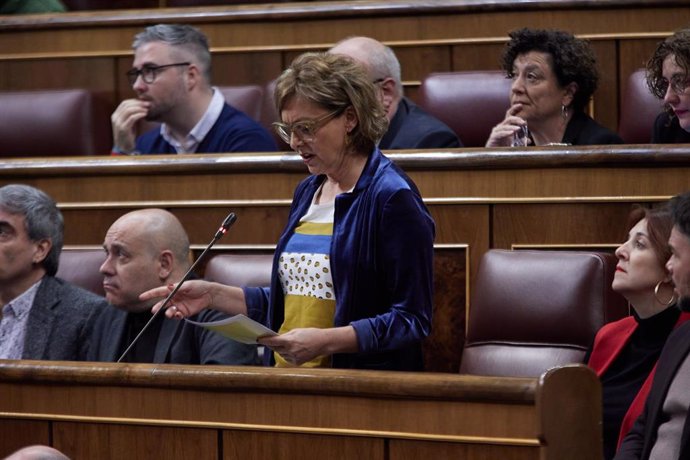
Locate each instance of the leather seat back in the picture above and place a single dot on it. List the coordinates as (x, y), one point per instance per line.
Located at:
(533, 310)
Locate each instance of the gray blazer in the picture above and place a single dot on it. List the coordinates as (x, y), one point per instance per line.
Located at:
(60, 321)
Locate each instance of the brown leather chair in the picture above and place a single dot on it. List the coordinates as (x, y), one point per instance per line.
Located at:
(639, 108)
(248, 99)
(80, 267)
(470, 103)
(533, 310)
(270, 114)
(68, 122)
(240, 269)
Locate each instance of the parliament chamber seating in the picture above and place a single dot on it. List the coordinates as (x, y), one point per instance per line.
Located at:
(70, 122)
(240, 269)
(639, 108)
(270, 114)
(80, 267)
(248, 99)
(533, 310)
(470, 103)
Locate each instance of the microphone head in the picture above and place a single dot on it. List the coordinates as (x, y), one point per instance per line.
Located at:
(225, 225)
(229, 221)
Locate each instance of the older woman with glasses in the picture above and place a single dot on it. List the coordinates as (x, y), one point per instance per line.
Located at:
(668, 77)
(352, 276)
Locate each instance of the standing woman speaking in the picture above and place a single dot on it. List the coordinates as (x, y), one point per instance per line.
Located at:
(352, 279)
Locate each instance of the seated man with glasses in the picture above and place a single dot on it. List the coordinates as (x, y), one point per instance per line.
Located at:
(409, 127)
(668, 79)
(172, 79)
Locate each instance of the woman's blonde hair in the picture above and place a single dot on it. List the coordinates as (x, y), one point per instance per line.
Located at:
(336, 82)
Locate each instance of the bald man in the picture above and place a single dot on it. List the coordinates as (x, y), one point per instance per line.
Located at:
(145, 249)
(37, 452)
(409, 126)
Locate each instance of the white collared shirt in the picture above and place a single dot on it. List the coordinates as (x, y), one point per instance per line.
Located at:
(199, 132)
(15, 317)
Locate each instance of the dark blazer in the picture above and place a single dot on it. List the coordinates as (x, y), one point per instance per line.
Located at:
(178, 341)
(413, 128)
(667, 130)
(582, 130)
(641, 438)
(60, 321)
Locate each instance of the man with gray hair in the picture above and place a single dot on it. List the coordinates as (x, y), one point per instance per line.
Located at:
(409, 126)
(145, 249)
(43, 317)
(172, 80)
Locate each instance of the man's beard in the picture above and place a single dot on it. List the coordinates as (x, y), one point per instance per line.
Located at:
(684, 304)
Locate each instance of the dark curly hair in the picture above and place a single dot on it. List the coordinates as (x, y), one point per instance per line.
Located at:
(572, 59)
(678, 45)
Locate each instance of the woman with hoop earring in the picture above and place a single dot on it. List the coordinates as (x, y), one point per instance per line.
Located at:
(625, 352)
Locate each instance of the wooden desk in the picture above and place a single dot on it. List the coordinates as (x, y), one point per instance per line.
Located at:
(113, 411)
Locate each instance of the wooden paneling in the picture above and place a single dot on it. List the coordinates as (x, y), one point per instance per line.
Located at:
(255, 224)
(559, 224)
(635, 52)
(242, 445)
(418, 61)
(605, 107)
(115, 442)
(406, 450)
(96, 74)
(23, 433)
(478, 56)
(175, 412)
(443, 348)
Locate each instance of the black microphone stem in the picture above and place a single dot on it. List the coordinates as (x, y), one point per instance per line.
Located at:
(221, 231)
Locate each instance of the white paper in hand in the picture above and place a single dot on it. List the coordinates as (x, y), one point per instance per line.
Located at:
(238, 328)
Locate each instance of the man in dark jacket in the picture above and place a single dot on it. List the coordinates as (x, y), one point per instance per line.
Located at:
(409, 127)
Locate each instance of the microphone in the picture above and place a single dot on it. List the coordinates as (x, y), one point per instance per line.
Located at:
(227, 223)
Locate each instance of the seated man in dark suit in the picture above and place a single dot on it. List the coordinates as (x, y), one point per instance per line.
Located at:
(662, 431)
(409, 126)
(172, 79)
(42, 317)
(146, 249)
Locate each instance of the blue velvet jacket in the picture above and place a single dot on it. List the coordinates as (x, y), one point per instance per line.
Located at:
(382, 266)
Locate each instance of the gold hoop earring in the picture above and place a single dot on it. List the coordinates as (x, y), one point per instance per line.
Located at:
(656, 295)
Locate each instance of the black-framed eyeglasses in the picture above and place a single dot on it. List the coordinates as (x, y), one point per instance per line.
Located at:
(678, 83)
(304, 129)
(149, 72)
